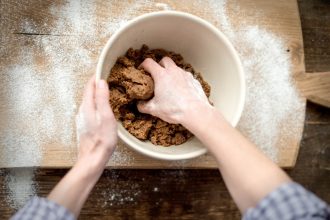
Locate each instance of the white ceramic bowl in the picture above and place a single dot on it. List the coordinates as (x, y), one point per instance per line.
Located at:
(202, 45)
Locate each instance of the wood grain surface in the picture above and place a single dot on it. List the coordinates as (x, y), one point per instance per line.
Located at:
(315, 87)
(201, 194)
(271, 18)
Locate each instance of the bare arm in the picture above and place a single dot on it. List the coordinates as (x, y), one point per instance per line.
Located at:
(97, 131)
(248, 174)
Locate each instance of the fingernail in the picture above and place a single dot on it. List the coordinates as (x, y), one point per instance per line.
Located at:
(101, 84)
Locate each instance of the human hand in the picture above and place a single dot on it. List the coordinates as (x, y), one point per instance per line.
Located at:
(176, 92)
(96, 127)
(97, 139)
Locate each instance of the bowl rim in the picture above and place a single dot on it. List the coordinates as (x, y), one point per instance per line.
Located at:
(213, 29)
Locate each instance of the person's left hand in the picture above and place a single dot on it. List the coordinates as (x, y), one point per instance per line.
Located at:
(96, 127)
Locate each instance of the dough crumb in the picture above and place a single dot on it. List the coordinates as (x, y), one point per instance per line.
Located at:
(128, 84)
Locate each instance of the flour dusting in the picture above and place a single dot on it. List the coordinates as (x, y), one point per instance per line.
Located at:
(271, 97)
(21, 186)
(81, 125)
(40, 93)
(117, 194)
(163, 6)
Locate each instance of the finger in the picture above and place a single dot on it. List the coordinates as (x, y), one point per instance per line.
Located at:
(88, 98)
(167, 62)
(152, 67)
(189, 74)
(147, 107)
(102, 101)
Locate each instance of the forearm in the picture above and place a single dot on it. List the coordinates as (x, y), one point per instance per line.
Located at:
(97, 132)
(248, 174)
(72, 191)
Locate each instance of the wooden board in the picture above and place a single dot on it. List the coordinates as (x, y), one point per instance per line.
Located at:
(280, 17)
(315, 87)
(202, 193)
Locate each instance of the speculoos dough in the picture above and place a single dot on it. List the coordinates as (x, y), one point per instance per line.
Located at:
(128, 84)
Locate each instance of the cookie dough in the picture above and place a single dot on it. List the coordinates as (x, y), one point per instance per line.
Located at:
(137, 84)
(128, 84)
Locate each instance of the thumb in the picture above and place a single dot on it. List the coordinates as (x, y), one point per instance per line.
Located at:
(147, 107)
(102, 100)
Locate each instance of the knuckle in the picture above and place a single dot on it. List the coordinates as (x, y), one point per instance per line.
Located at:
(161, 72)
(147, 61)
(167, 59)
(150, 107)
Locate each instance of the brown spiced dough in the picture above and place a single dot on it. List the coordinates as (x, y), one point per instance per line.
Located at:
(128, 84)
(137, 84)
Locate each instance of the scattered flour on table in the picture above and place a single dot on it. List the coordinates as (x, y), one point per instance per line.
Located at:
(163, 6)
(41, 98)
(120, 190)
(272, 100)
(21, 186)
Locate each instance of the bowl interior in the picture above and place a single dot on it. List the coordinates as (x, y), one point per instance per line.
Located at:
(202, 46)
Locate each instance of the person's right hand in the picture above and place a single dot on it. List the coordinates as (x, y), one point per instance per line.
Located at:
(176, 92)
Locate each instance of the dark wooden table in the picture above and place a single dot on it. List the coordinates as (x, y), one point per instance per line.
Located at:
(201, 194)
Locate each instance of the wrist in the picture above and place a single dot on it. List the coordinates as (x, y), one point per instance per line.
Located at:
(73, 190)
(210, 127)
(88, 169)
(91, 161)
(195, 115)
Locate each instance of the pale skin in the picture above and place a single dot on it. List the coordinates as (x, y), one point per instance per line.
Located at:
(248, 174)
(97, 143)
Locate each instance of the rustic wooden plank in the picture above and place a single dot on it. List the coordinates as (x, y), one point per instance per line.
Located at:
(187, 194)
(311, 170)
(287, 26)
(315, 25)
(42, 15)
(316, 87)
